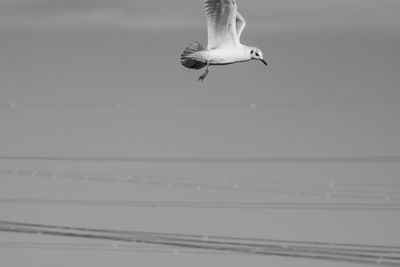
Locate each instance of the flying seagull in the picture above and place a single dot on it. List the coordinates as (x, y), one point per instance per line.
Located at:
(224, 27)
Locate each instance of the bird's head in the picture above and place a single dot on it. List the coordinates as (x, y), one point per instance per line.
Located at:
(255, 53)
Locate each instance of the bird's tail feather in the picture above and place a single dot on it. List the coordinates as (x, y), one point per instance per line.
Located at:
(191, 62)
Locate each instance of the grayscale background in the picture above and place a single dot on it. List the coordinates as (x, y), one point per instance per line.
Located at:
(96, 79)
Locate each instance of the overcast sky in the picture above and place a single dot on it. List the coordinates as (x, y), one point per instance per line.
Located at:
(97, 78)
(277, 15)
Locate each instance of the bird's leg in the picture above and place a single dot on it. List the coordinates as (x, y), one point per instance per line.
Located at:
(203, 76)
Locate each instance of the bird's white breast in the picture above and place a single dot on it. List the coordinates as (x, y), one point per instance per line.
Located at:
(228, 55)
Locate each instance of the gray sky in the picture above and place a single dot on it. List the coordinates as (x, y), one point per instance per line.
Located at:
(94, 78)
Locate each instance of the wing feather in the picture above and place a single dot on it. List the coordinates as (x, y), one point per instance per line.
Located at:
(221, 22)
(240, 24)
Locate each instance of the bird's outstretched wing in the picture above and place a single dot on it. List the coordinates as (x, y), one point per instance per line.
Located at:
(240, 24)
(221, 22)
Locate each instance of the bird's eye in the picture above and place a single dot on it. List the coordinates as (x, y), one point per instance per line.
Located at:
(251, 52)
(257, 54)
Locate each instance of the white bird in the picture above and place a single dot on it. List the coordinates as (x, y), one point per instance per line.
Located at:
(224, 27)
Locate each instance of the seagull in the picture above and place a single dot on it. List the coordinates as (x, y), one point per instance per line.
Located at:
(224, 28)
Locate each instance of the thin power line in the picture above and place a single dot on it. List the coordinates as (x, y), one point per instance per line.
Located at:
(394, 249)
(204, 106)
(330, 191)
(355, 253)
(215, 160)
(321, 182)
(13, 225)
(205, 205)
(115, 247)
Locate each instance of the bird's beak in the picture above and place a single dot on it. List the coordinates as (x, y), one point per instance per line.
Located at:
(263, 61)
